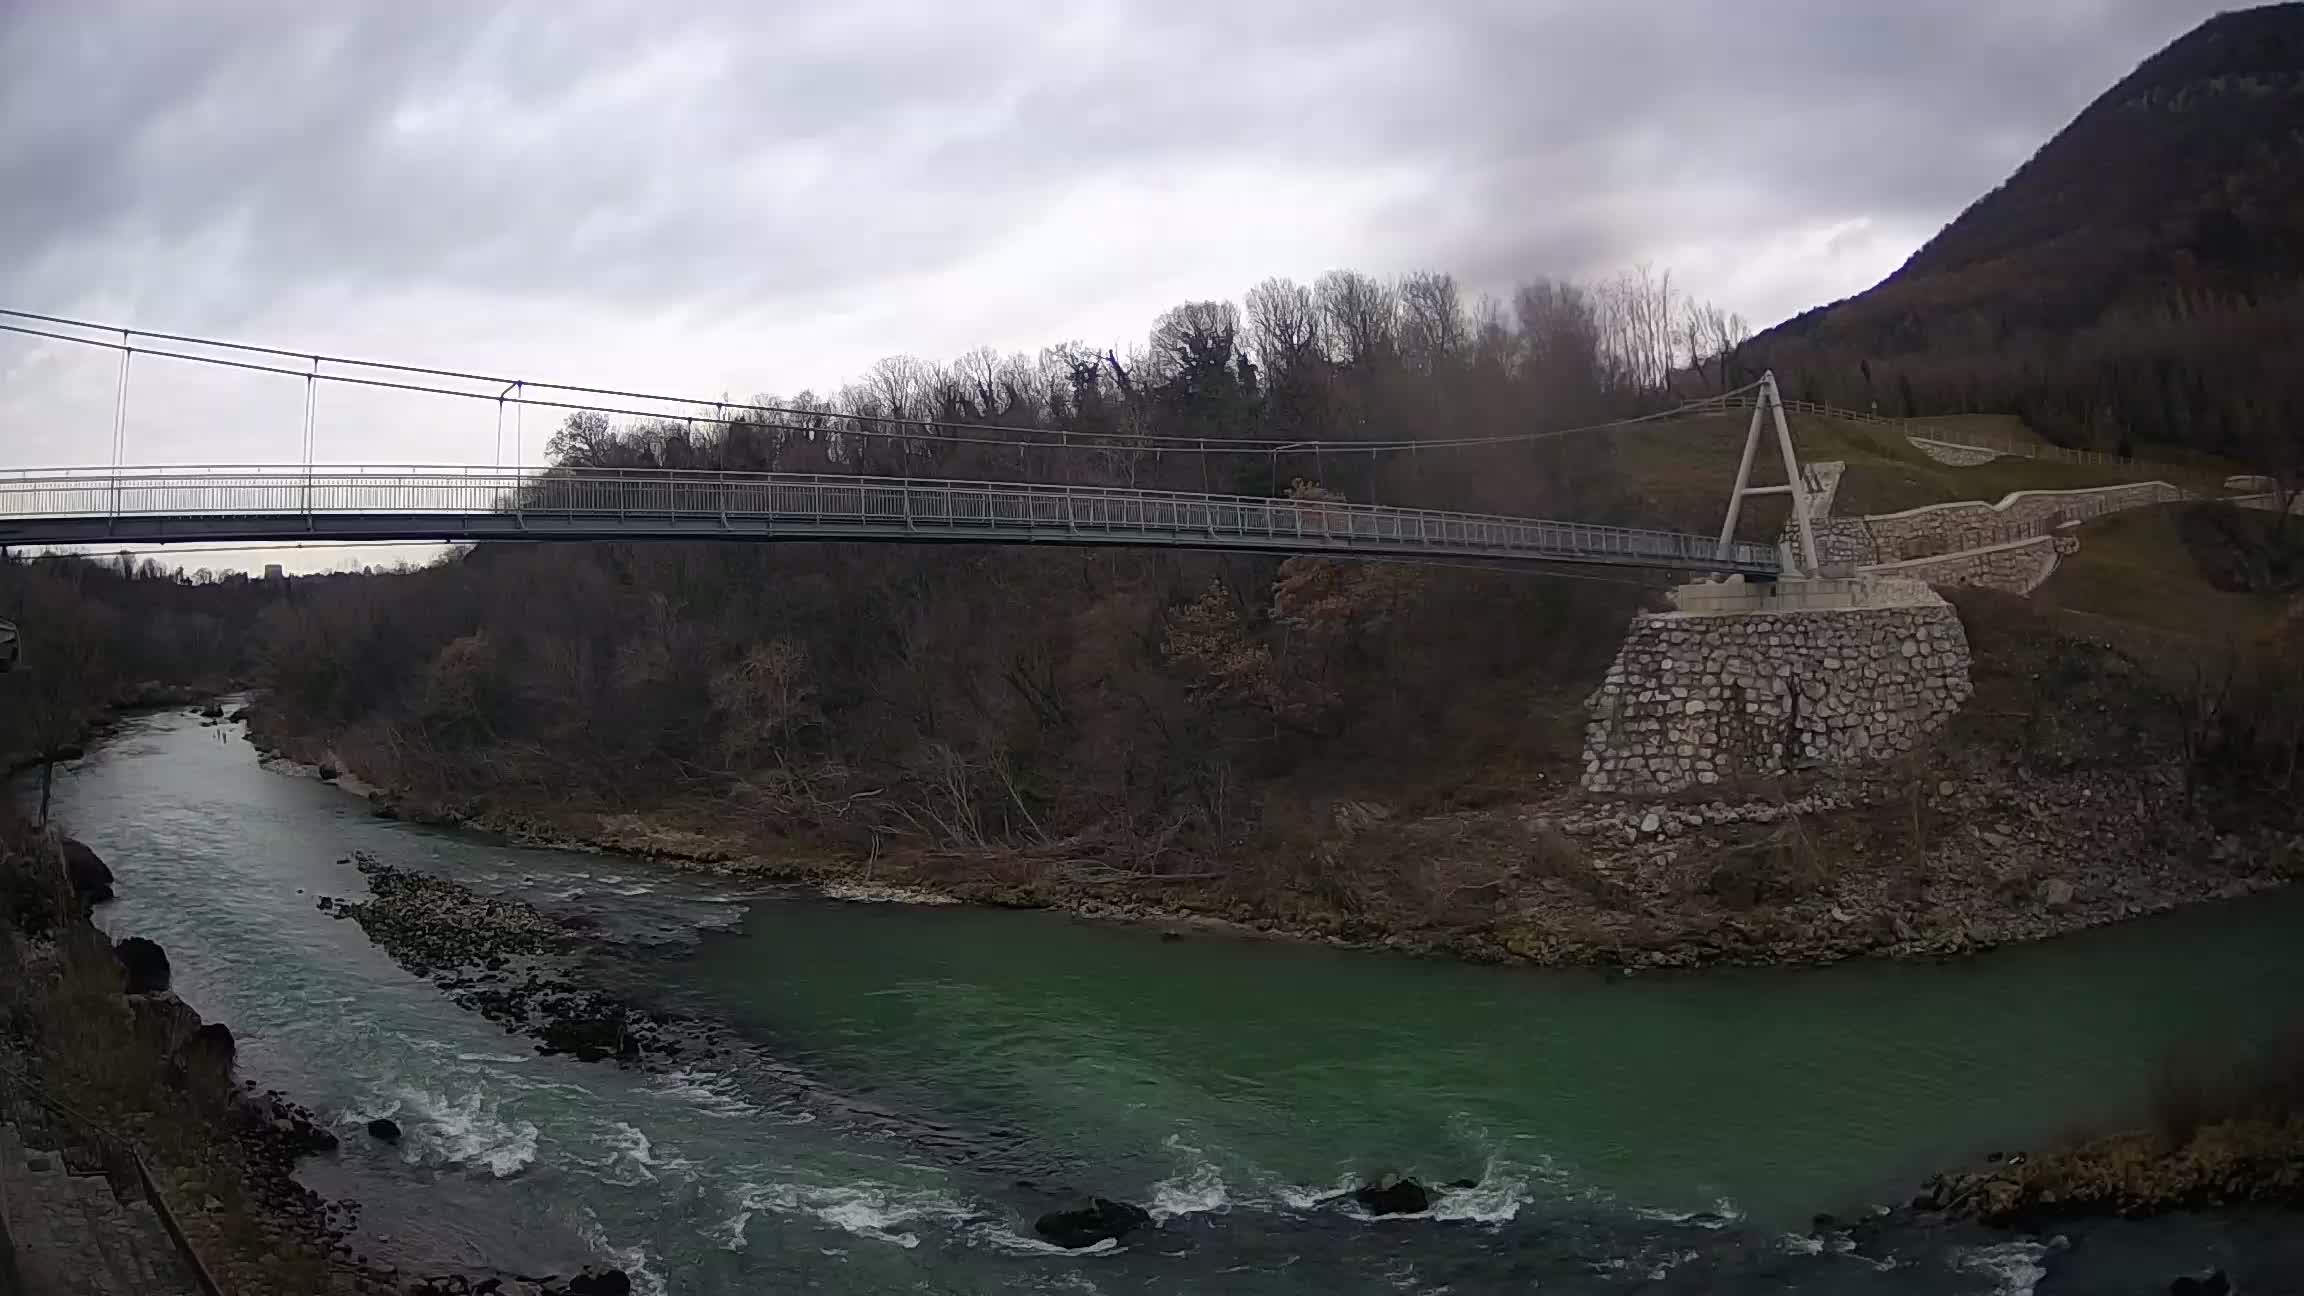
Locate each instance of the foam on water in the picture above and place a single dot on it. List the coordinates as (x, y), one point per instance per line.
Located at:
(634, 1159)
(470, 1131)
(1505, 1186)
(633, 1260)
(1497, 1200)
(866, 1210)
(1006, 1239)
(2014, 1266)
(1723, 1213)
(1299, 1197)
(711, 1092)
(1197, 1189)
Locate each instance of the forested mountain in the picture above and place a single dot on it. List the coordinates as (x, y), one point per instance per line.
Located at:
(2139, 280)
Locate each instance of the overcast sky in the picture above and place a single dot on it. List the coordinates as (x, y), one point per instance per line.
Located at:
(740, 196)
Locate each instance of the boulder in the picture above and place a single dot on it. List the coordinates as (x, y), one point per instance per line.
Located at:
(1404, 1197)
(2056, 893)
(303, 1136)
(589, 1037)
(328, 772)
(386, 1130)
(2215, 1284)
(212, 1042)
(90, 879)
(1091, 1224)
(145, 965)
(167, 1021)
(212, 711)
(599, 1282)
(238, 716)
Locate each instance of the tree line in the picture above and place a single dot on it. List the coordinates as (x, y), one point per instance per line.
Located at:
(1347, 360)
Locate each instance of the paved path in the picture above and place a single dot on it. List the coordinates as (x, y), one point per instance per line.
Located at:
(72, 1237)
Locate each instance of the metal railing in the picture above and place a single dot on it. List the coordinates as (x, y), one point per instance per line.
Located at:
(95, 506)
(113, 1152)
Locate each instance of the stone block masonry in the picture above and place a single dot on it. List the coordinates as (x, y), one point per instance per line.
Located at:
(1947, 528)
(1697, 698)
(1948, 452)
(2018, 567)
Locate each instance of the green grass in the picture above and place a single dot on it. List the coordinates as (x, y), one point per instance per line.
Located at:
(1677, 473)
(2134, 569)
(2134, 580)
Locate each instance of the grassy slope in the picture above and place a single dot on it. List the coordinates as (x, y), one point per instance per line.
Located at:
(2133, 580)
(2134, 575)
(1678, 473)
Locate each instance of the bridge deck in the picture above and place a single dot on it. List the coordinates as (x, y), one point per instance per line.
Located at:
(148, 505)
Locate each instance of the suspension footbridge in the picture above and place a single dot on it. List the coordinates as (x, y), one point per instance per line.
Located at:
(121, 503)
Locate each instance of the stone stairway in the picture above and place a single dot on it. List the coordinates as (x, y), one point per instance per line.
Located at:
(72, 1237)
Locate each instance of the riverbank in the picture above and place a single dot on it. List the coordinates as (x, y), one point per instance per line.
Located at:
(2060, 799)
(1927, 864)
(905, 1070)
(101, 1047)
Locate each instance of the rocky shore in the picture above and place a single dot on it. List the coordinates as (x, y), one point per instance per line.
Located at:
(2058, 799)
(509, 963)
(242, 1141)
(2242, 1162)
(1828, 867)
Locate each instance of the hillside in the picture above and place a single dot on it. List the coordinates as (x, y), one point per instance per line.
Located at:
(2140, 280)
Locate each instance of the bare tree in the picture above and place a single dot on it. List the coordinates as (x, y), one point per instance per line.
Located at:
(1559, 335)
(1638, 328)
(1283, 328)
(1434, 333)
(1710, 338)
(1197, 338)
(1359, 318)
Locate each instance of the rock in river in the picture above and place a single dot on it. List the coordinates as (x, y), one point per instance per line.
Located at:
(385, 1130)
(1405, 1197)
(144, 963)
(1091, 1224)
(90, 879)
(212, 1041)
(604, 1282)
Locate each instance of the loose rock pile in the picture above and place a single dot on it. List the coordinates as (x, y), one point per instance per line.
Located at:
(429, 923)
(502, 959)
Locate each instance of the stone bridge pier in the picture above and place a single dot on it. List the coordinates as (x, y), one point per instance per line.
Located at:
(1750, 680)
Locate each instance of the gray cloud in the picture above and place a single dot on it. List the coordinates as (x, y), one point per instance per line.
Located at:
(723, 195)
(742, 153)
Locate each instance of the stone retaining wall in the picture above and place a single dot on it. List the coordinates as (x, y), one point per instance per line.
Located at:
(1959, 456)
(2018, 567)
(1844, 540)
(1944, 528)
(1838, 540)
(1693, 699)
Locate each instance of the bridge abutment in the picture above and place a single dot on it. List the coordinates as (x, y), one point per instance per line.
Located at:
(1754, 679)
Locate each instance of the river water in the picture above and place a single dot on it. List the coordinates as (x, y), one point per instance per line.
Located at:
(914, 1085)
